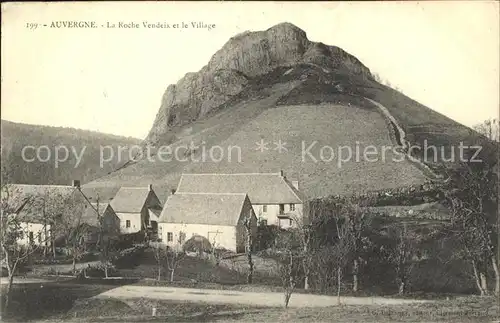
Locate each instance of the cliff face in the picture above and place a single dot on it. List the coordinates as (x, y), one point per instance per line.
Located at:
(242, 58)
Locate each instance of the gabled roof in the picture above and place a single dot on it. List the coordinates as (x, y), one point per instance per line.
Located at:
(102, 207)
(27, 201)
(130, 199)
(154, 214)
(262, 188)
(90, 214)
(203, 208)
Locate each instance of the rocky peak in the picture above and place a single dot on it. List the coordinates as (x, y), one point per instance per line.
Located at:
(243, 57)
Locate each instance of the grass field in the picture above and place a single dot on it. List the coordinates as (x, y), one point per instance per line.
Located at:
(320, 173)
(74, 302)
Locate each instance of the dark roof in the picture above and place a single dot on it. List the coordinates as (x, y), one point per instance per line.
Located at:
(90, 214)
(26, 201)
(202, 208)
(130, 199)
(102, 207)
(105, 194)
(262, 188)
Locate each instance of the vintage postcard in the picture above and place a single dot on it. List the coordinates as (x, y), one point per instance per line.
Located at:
(250, 161)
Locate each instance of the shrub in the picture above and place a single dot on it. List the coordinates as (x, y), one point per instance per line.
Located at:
(129, 258)
(267, 236)
(98, 271)
(197, 244)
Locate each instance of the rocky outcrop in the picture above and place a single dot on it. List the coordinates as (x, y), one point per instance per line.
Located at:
(243, 57)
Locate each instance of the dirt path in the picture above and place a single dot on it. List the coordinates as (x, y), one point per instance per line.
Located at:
(245, 298)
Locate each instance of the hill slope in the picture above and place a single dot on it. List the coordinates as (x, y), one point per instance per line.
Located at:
(277, 85)
(84, 143)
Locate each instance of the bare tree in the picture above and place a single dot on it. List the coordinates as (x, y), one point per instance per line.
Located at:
(377, 77)
(342, 249)
(356, 220)
(247, 223)
(216, 253)
(472, 196)
(288, 274)
(489, 128)
(160, 252)
(12, 231)
(288, 262)
(303, 230)
(175, 254)
(74, 229)
(401, 256)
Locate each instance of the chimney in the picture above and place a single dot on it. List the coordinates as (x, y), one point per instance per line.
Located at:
(75, 183)
(282, 174)
(172, 191)
(150, 187)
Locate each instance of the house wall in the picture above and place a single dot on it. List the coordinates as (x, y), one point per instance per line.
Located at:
(111, 222)
(271, 215)
(135, 222)
(152, 201)
(224, 236)
(36, 228)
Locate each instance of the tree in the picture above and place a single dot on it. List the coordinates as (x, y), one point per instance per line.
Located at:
(304, 233)
(105, 241)
(72, 226)
(160, 252)
(288, 262)
(356, 220)
(401, 255)
(175, 254)
(13, 252)
(247, 223)
(288, 274)
(51, 204)
(342, 249)
(489, 128)
(377, 77)
(471, 194)
(216, 253)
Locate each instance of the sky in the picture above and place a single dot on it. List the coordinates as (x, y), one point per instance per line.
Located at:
(443, 54)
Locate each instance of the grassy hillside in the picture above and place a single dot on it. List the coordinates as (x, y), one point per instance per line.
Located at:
(301, 105)
(87, 144)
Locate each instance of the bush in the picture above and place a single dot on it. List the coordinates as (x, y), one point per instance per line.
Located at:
(266, 236)
(98, 271)
(130, 258)
(197, 244)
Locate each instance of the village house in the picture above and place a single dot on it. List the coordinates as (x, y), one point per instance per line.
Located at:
(31, 208)
(138, 209)
(275, 199)
(39, 209)
(101, 219)
(219, 217)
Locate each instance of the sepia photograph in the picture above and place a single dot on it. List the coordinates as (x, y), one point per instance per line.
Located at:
(250, 161)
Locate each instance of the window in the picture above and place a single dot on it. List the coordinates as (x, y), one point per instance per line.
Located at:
(282, 208)
(170, 237)
(31, 236)
(291, 222)
(127, 224)
(263, 222)
(292, 207)
(39, 238)
(264, 208)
